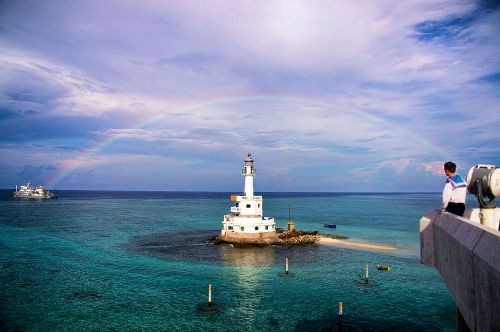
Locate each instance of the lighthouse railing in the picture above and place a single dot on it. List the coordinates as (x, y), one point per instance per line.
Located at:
(254, 198)
(245, 172)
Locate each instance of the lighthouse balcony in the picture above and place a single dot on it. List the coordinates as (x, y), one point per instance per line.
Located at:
(239, 198)
(254, 198)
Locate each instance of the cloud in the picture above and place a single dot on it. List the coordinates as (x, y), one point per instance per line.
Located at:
(197, 62)
(30, 172)
(399, 166)
(434, 167)
(389, 85)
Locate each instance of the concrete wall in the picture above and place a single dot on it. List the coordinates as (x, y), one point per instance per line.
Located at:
(467, 255)
(250, 238)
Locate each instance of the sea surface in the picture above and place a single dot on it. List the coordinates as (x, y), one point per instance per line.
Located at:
(141, 261)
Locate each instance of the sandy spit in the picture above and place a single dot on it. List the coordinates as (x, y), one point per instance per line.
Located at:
(356, 245)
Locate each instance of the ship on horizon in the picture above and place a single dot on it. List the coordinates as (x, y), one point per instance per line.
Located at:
(29, 192)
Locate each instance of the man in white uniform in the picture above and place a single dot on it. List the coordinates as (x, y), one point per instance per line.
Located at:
(454, 190)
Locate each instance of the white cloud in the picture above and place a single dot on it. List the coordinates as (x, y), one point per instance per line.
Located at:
(434, 167)
(332, 82)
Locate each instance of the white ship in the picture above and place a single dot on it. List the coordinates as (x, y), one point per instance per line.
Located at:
(28, 192)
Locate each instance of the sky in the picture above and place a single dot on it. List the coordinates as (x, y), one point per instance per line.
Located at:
(328, 96)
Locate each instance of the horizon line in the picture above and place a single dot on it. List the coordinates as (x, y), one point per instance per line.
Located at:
(213, 191)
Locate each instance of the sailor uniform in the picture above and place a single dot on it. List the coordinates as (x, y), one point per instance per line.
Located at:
(454, 192)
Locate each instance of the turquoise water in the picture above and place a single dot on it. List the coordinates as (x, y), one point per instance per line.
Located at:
(139, 261)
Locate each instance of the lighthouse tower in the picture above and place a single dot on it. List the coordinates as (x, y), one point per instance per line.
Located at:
(245, 223)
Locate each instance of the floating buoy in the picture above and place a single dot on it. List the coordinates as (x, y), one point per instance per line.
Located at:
(383, 267)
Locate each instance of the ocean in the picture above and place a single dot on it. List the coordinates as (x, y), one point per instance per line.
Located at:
(129, 261)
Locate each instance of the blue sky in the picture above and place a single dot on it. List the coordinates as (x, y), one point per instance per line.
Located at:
(171, 95)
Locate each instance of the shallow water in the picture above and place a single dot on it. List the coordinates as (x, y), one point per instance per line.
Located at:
(140, 261)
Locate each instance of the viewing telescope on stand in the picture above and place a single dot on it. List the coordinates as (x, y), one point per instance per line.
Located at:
(483, 181)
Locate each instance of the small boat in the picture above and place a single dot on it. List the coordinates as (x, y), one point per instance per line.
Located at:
(383, 267)
(330, 225)
(28, 192)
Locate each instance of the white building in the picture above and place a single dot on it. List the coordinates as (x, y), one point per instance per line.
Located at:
(245, 220)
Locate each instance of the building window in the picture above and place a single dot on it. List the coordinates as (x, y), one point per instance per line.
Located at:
(237, 204)
(272, 226)
(248, 206)
(230, 227)
(242, 229)
(258, 205)
(256, 228)
(267, 227)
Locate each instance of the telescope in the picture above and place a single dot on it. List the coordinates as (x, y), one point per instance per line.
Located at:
(483, 181)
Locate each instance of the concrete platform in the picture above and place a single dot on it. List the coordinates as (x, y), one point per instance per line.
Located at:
(467, 255)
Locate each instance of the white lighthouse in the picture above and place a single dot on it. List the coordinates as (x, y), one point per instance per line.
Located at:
(245, 223)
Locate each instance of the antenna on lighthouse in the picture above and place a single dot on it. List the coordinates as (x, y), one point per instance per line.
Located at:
(289, 210)
(291, 223)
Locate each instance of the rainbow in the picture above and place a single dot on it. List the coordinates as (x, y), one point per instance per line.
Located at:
(67, 167)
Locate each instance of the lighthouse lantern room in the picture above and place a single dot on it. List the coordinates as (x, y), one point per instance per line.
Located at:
(245, 220)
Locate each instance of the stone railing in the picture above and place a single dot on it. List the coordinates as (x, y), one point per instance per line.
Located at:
(467, 255)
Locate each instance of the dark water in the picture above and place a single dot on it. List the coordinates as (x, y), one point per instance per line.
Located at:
(140, 261)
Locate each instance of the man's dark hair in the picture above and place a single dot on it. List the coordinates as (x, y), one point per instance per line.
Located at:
(450, 166)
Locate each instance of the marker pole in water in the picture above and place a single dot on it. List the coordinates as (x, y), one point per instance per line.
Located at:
(339, 318)
(286, 265)
(366, 273)
(209, 294)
